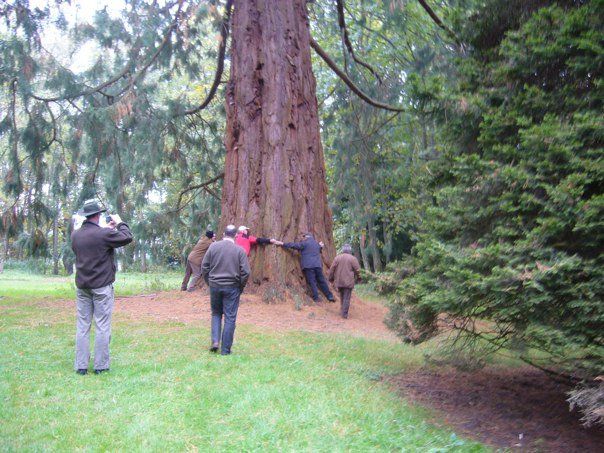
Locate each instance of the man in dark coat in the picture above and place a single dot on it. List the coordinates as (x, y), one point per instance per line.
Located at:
(312, 266)
(344, 272)
(226, 270)
(94, 247)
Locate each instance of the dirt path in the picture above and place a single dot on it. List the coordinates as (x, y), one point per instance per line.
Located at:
(365, 319)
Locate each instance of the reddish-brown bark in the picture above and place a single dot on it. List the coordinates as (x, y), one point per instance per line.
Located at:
(274, 179)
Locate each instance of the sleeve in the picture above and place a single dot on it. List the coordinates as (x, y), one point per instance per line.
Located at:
(244, 268)
(119, 237)
(262, 240)
(205, 266)
(294, 245)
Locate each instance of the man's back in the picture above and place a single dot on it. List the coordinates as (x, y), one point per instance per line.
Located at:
(344, 271)
(225, 264)
(310, 252)
(199, 250)
(93, 247)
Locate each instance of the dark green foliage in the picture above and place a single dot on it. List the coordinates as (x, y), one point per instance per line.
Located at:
(515, 230)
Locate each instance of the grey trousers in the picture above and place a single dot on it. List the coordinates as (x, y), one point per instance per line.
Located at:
(97, 303)
(195, 277)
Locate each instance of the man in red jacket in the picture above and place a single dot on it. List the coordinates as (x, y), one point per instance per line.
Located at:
(243, 239)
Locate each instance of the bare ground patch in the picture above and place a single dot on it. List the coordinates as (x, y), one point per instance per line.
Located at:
(365, 318)
(518, 408)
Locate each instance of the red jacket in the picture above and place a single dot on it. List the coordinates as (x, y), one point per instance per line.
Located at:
(246, 241)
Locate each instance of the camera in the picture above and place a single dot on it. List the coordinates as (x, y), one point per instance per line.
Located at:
(108, 218)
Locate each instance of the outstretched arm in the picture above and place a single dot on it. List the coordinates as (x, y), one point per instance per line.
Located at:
(294, 245)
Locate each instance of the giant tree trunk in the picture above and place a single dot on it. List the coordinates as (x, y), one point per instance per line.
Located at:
(274, 179)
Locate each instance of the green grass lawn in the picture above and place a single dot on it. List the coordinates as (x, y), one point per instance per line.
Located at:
(19, 285)
(278, 391)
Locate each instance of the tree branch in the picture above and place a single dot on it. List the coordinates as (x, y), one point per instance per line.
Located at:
(439, 22)
(346, 39)
(122, 74)
(342, 75)
(224, 34)
(203, 185)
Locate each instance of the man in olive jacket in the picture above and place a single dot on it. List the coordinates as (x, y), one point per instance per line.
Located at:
(225, 269)
(196, 257)
(344, 272)
(95, 273)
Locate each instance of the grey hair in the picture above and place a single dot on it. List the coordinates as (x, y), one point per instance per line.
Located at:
(347, 248)
(230, 231)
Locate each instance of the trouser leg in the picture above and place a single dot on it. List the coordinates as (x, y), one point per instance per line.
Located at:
(312, 282)
(195, 277)
(185, 280)
(83, 321)
(345, 294)
(323, 284)
(103, 309)
(216, 304)
(230, 307)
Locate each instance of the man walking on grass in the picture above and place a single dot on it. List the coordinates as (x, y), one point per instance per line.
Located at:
(94, 247)
(344, 272)
(225, 269)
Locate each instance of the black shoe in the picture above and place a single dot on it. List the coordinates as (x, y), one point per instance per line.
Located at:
(101, 371)
(225, 353)
(214, 347)
(82, 371)
(332, 300)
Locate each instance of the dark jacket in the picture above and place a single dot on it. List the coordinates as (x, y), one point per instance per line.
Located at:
(93, 247)
(200, 249)
(225, 264)
(344, 271)
(310, 252)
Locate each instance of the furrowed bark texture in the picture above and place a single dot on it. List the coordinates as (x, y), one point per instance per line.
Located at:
(274, 179)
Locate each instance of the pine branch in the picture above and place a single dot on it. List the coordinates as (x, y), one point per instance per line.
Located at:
(439, 22)
(203, 185)
(224, 34)
(346, 40)
(127, 70)
(342, 75)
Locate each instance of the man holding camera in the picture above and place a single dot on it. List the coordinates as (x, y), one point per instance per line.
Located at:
(94, 248)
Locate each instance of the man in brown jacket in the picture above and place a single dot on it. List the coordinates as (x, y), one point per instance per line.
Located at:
(344, 273)
(94, 248)
(196, 257)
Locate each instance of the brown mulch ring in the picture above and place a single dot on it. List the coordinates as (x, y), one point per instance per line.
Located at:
(365, 319)
(517, 408)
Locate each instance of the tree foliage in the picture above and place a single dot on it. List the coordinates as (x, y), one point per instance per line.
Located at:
(514, 232)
